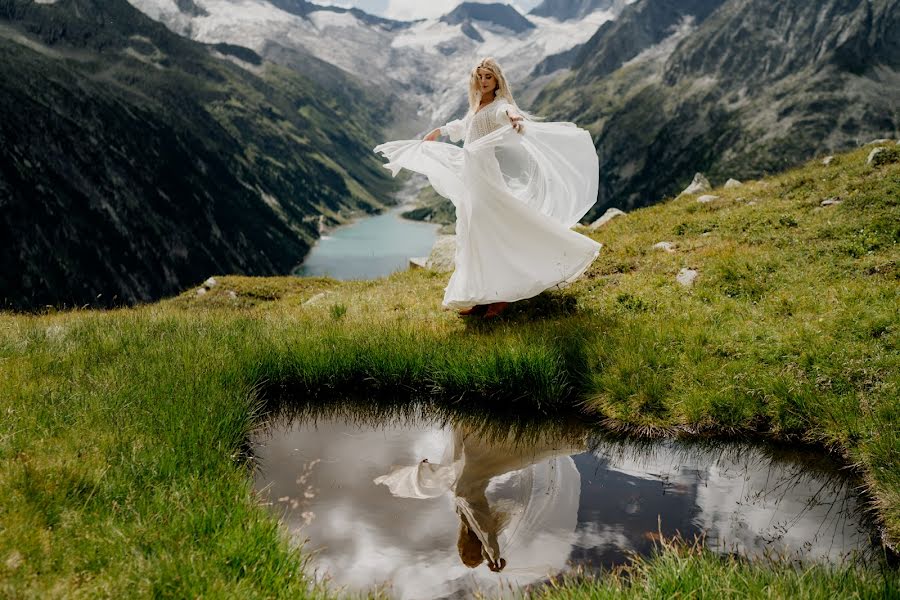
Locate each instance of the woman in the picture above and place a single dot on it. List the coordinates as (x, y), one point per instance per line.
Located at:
(518, 187)
(534, 498)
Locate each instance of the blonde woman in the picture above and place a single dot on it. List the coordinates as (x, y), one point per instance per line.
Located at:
(518, 186)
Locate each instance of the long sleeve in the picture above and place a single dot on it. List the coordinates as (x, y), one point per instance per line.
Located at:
(500, 115)
(455, 130)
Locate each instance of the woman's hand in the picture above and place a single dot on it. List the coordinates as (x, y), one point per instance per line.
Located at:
(432, 136)
(515, 120)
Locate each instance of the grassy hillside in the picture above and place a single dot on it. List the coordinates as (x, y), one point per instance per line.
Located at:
(122, 447)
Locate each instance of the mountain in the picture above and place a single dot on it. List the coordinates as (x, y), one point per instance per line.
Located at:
(423, 65)
(501, 15)
(302, 8)
(134, 162)
(732, 88)
(566, 10)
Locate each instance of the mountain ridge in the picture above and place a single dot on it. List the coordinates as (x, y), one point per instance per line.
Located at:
(134, 160)
(737, 92)
(502, 15)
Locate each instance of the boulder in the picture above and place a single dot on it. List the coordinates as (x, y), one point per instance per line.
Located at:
(443, 254)
(687, 277)
(827, 160)
(609, 215)
(883, 156)
(317, 298)
(666, 246)
(210, 283)
(732, 183)
(831, 201)
(707, 199)
(201, 291)
(698, 185)
(418, 262)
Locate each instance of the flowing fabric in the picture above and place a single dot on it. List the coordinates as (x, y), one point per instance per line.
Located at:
(517, 195)
(520, 500)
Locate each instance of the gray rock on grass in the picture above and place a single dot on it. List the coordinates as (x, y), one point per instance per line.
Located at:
(665, 246)
(827, 160)
(443, 254)
(883, 156)
(706, 199)
(831, 201)
(732, 183)
(687, 277)
(317, 298)
(609, 215)
(699, 185)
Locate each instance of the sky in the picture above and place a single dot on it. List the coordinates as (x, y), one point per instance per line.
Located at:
(418, 9)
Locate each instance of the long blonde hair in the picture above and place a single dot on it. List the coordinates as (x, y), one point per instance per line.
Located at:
(503, 91)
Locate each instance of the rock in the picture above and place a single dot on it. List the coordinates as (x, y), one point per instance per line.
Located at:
(14, 560)
(211, 282)
(443, 254)
(732, 183)
(667, 246)
(317, 298)
(609, 215)
(752, 203)
(873, 156)
(686, 277)
(827, 160)
(831, 201)
(883, 156)
(201, 291)
(707, 199)
(418, 262)
(698, 185)
(232, 294)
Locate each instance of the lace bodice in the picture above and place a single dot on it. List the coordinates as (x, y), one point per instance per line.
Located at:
(474, 126)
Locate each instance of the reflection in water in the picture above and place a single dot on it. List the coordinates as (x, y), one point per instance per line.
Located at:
(431, 509)
(503, 491)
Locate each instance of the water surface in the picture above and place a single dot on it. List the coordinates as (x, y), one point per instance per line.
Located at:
(543, 503)
(370, 247)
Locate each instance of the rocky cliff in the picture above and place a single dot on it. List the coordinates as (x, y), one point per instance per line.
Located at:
(733, 88)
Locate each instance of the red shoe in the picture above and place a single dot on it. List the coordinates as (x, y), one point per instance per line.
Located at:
(495, 309)
(478, 309)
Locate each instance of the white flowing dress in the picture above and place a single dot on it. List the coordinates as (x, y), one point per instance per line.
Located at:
(517, 195)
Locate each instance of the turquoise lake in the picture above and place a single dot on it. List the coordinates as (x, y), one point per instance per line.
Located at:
(369, 248)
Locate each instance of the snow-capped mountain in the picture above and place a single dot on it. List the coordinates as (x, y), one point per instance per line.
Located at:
(425, 63)
(565, 10)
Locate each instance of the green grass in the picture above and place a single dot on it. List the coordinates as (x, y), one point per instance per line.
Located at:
(680, 570)
(122, 439)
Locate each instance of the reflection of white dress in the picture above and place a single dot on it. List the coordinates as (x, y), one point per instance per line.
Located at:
(516, 197)
(511, 495)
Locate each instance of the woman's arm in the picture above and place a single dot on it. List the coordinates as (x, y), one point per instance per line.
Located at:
(507, 113)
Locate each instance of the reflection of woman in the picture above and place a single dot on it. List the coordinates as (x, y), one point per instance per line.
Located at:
(538, 492)
(516, 196)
